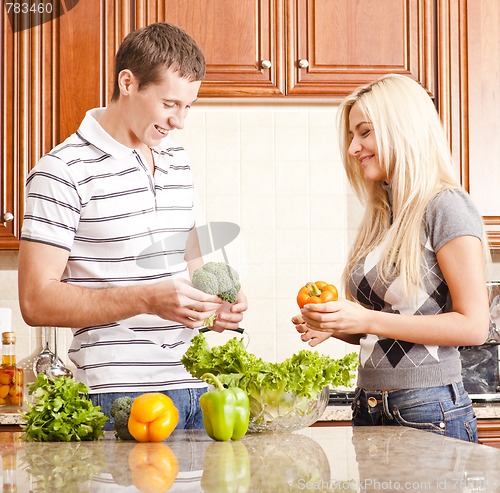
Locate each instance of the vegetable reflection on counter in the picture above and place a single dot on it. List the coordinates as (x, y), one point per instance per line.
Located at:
(294, 459)
(226, 412)
(263, 462)
(304, 374)
(70, 469)
(61, 412)
(150, 467)
(267, 463)
(154, 467)
(226, 468)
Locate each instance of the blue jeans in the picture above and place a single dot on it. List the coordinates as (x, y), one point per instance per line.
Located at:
(444, 410)
(187, 402)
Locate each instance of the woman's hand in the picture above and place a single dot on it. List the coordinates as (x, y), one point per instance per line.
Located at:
(311, 336)
(339, 318)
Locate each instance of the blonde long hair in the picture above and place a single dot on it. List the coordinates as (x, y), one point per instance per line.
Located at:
(414, 153)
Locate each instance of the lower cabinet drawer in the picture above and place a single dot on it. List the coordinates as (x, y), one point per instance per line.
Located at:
(488, 431)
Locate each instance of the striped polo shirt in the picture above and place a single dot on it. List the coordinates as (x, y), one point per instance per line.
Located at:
(122, 226)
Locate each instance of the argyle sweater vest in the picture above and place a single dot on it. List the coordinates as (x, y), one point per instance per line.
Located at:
(389, 364)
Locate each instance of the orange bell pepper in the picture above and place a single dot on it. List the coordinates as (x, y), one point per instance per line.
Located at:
(153, 417)
(317, 292)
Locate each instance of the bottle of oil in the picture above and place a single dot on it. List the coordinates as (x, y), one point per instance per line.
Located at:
(11, 377)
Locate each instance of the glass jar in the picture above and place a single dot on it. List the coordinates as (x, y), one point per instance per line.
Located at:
(11, 377)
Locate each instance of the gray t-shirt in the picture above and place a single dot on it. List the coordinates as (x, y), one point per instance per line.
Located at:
(388, 364)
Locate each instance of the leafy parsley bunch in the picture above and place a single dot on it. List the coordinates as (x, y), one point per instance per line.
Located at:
(61, 412)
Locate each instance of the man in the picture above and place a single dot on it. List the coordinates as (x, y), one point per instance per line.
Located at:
(108, 240)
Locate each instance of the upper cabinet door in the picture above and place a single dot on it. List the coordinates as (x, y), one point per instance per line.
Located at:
(482, 162)
(469, 85)
(301, 47)
(49, 77)
(333, 46)
(241, 40)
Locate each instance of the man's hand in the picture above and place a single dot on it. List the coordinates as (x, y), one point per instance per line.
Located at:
(179, 301)
(229, 315)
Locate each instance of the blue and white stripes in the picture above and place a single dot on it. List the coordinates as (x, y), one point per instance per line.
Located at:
(121, 225)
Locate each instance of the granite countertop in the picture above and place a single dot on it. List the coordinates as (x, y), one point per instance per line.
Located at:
(314, 459)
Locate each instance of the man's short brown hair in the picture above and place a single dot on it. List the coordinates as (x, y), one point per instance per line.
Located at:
(151, 49)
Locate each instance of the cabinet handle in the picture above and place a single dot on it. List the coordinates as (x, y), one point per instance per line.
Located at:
(266, 64)
(8, 217)
(303, 63)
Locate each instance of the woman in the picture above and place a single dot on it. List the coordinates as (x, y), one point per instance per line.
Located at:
(415, 279)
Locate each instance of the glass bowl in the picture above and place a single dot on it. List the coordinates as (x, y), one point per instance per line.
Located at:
(288, 412)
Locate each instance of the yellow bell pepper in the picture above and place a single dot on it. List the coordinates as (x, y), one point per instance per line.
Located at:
(153, 417)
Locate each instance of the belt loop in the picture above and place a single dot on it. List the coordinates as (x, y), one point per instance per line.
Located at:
(455, 392)
(385, 404)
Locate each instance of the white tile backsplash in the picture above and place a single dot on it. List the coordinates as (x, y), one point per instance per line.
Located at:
(275, 171)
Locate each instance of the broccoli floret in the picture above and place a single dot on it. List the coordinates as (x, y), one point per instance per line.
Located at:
(205, 281)
(120, 411)
(227, 277)
(217, 278)
(230, 295)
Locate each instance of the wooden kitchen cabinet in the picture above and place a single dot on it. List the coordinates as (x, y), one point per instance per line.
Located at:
(242, 41)
(326, 48)
(305, 47)
(333, 46)
(51, 74)
(488, 431)
(469, 106)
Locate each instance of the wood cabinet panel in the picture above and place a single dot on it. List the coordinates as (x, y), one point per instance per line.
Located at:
(236, 37)
(51, 74)
(489, 432)
(483, 166)
(78, 67)
(469, 78)
(49, 77)
(348, 43)
(345, 42)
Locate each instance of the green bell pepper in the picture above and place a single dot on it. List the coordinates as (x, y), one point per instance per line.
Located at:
(226, 412)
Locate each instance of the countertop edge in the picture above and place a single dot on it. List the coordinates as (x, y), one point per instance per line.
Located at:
(344, 413)
(331, 413)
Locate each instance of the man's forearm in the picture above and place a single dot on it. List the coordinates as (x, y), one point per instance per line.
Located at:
(66, 305)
